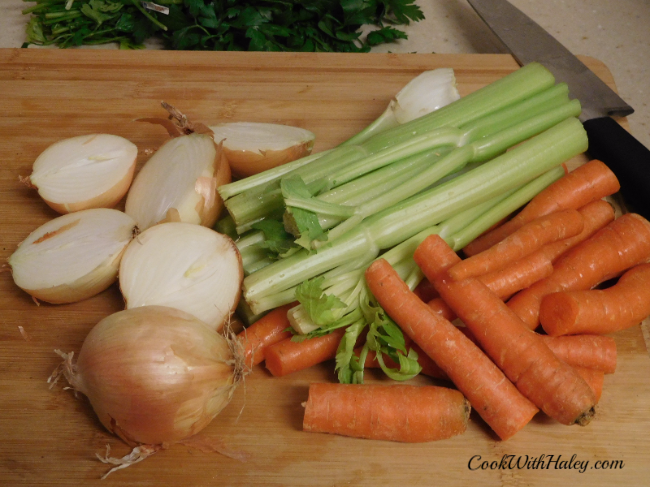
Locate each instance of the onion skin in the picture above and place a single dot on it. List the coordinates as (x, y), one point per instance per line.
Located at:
(154, 375)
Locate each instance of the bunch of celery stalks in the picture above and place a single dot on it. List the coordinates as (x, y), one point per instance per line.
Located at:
(307, 230)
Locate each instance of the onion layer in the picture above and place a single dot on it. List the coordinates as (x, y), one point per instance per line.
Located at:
(179, 183)
(154, 375)
(74, 256)
(183, 266)
(87, 171)
(255, 147)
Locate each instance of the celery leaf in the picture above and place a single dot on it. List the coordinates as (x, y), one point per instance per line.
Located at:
(320, 306)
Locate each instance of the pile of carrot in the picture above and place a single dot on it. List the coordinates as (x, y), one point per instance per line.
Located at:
(534, 335)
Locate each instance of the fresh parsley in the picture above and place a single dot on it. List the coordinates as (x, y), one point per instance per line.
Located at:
(229, 25)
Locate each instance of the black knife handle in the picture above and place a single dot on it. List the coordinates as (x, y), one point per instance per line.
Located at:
(628, 158)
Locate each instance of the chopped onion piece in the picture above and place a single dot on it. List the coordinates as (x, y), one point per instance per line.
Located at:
(179, 183)
(252, 147)
(74, 256)
(87, 171)
(183, 266)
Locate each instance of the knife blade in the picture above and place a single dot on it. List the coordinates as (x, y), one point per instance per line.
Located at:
(608, 140)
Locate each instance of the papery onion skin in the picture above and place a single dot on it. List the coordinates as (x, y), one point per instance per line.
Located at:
(155, 375)
(72, 257)
(113, 189)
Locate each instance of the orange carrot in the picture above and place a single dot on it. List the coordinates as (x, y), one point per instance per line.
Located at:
(403, 413)
(599, 311)
(269, 329)
(505, 282)
(588, 351)
(287, 356)
(596, 215)
(489, 392)
(429, 367)
(594, 378)
(524, 241)
(590, 182)
(550, 384)
(425, 291)
(519, 275)
(623, 243)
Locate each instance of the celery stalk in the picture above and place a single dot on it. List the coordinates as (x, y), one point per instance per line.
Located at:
(400, 222)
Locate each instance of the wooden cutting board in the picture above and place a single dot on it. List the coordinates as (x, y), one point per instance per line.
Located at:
(49, 437)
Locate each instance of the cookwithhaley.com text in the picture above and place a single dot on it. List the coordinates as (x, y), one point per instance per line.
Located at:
(542, 462)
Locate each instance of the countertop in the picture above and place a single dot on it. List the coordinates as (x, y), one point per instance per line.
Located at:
(616, 32)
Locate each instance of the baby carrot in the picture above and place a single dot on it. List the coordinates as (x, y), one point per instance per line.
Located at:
(624, 243)
(489, 392)
(596, 215)
(521, 243)
(589, 182)
(287, 356)
(550, 384)
(269, 329)
(403, 413)
(588, 351)
(599, 311)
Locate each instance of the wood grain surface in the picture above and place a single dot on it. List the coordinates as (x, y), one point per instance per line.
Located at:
(50, 437)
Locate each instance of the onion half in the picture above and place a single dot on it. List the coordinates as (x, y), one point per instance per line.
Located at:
(87, 171)
(252, 147)
(74, 256)
(179, 183)
(183, 266)
(154, 375)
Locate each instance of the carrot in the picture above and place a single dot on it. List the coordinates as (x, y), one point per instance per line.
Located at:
(550, 384)
(403, 413)
(269, 329)
(489, 392)
(588, 351)
(429, 367)
(518, 275)
(599, 311)
(594, 378)
(425, 291)
(287, 356)
(505, 282)
(623, 243)
(590, 182)
(521, 243)
(596, 215)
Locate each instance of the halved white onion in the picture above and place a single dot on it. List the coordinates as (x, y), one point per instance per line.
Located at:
(87, 171)
(252, 147)
(74, 256)
(183, 266)
(179, 183)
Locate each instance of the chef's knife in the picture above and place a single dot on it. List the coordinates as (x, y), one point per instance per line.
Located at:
(608, 141)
